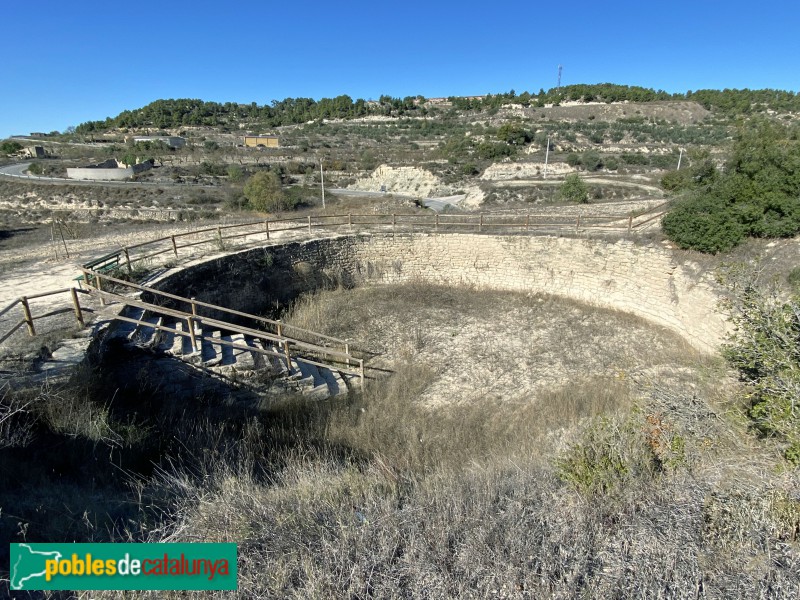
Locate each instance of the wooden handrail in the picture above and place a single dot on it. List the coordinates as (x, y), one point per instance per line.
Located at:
(191, 301)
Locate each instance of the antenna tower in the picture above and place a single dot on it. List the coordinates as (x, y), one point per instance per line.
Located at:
(558, 88)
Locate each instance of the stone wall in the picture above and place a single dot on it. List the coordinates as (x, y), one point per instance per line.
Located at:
(646, 281)
(110, 170)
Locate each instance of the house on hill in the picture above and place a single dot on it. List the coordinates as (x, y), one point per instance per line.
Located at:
(267, 141)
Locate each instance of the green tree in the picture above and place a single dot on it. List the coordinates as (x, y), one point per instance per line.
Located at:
(514, 133)
(10, 147)
(758, 193)
(574, 189)
(265, 193)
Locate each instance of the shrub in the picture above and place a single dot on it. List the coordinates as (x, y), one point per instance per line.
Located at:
(264, 192)
(591, 160)
(574, 189)
(10, 147)
(764, 349)
(705, 223)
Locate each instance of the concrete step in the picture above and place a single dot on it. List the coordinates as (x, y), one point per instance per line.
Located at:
(311, 381)
(180, 343)
(225, 352)
(243, 359)
(124, 329)
(334, 381)
(163, 340)
(210, 354)
(260, 361)
(144, 334)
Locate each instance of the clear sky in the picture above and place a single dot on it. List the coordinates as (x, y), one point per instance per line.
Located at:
(69, 62)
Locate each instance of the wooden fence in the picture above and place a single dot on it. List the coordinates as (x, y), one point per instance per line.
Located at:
(481, 223)
(293, 342)
(29, 319)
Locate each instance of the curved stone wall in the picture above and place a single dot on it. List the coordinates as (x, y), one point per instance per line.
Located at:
(646, 281)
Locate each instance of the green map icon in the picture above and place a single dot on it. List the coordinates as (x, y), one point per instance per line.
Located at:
(28, 566)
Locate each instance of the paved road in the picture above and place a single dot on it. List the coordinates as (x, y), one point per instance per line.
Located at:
(435, 204)
(17, 171)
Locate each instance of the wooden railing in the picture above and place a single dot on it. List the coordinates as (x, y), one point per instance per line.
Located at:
(291, 348)
(294, 343)
(301, 344)
(219, 235)
(28, 318)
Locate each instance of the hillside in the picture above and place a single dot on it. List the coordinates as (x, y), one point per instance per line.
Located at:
(580, 310)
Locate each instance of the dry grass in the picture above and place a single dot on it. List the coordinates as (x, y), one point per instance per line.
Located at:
(609, 484)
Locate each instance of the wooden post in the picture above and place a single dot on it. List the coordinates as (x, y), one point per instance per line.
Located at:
(219, 234)
(309, 223)
(350, 220)
(99, 290)
(361, 372)
(347, 351)
(577, 224)
(436, 226)
(128, 260)
(288, 357)
(266, 227)
(630, 224)
(26, 310)
(192, 336)
(194, 307)
(480, 224)
(527, 222)
(77, 306)
(394, 221)
(174, 246)
(278, 328)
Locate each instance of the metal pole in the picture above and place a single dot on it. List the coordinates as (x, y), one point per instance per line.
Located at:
(322, 180)
(546, 156)
(680, 156)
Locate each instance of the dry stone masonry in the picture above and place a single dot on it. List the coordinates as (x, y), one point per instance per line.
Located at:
(647, 281)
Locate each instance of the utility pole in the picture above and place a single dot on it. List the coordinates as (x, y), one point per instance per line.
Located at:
(322, 181)
(558, 87)
(546, 156)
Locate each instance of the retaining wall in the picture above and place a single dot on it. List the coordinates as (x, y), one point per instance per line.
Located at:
(646, 281)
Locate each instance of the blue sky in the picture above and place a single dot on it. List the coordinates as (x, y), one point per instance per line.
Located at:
(69, 62)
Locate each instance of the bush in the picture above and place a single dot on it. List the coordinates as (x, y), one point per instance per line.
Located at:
(265, 194)
(574, 189)
(10, 147)
(493, 151)
(705, 223)
(591, 161)
(756, 195)
(764, 349)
